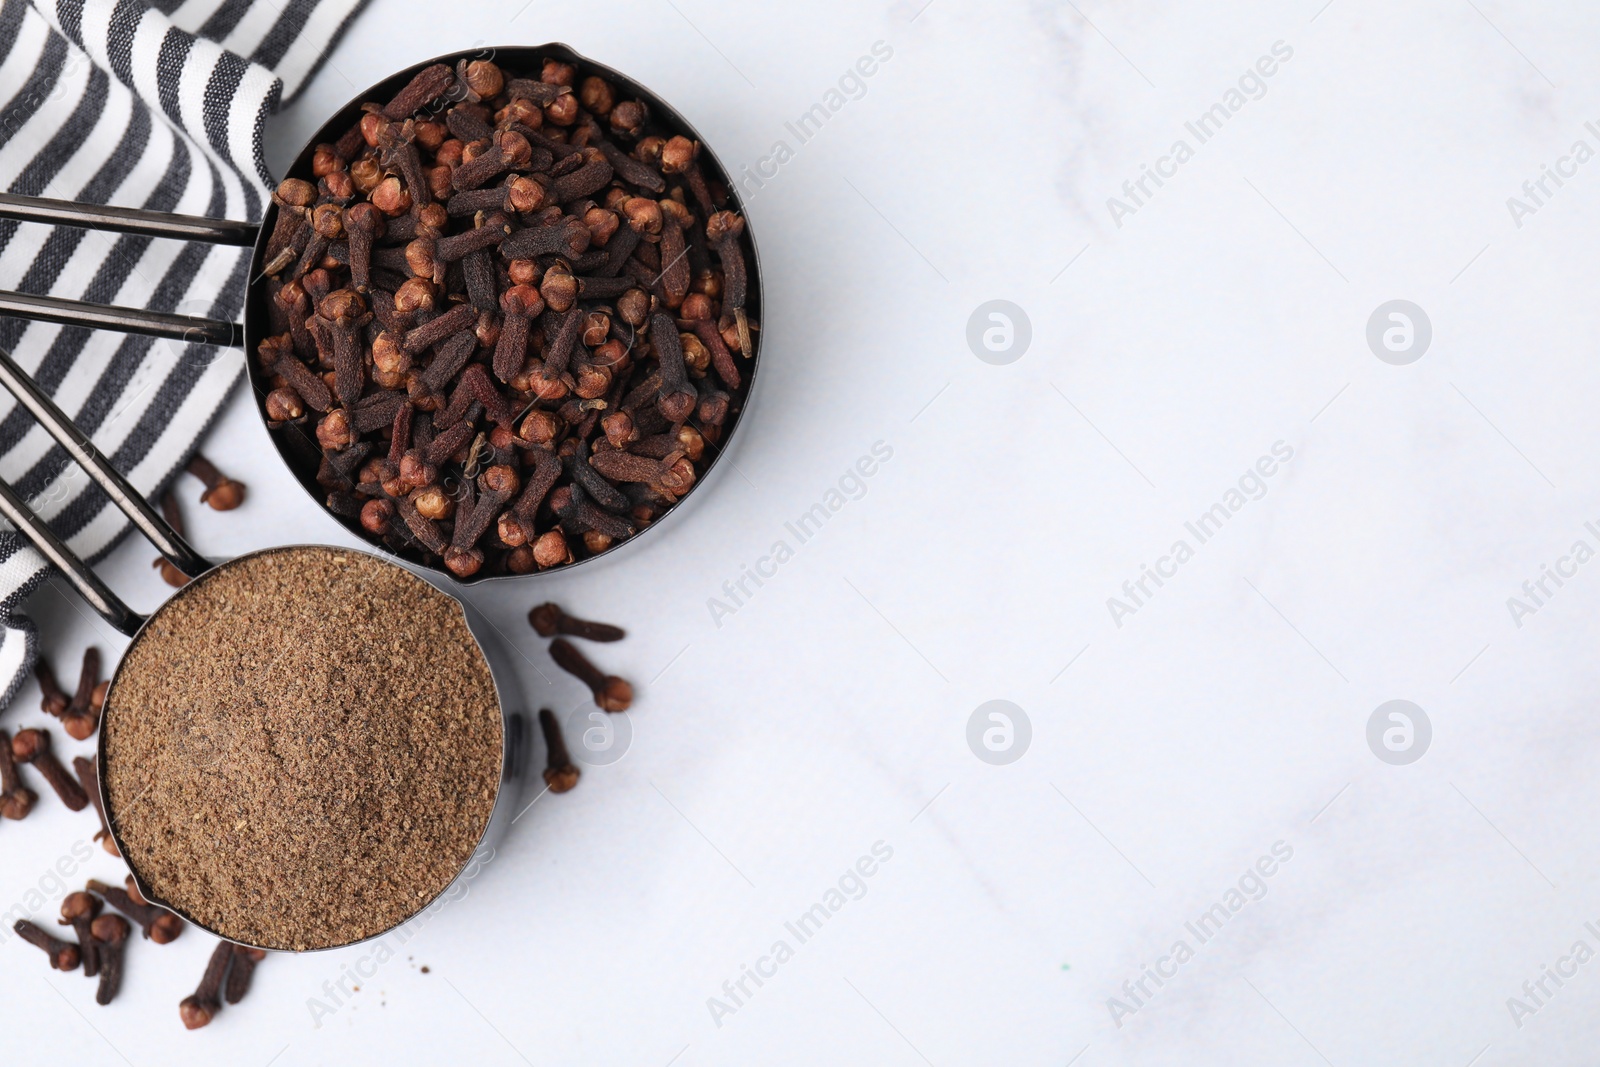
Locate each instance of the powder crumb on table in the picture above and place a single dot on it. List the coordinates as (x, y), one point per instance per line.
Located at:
(303, 748)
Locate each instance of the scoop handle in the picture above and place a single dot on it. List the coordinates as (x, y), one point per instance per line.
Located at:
(127, 220)
(82, 450)
(124, 220)
(84, 580)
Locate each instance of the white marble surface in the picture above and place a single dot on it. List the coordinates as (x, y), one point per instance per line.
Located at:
(829, 712)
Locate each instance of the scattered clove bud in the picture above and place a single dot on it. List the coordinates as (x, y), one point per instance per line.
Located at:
(198, 1009)
(610, 692)
(81, 718)
(78, 910)
(159, 924)
(33, 746)
(244, 969)
(111, 934)
(548, 620)
(222, 492)
(559, 774)
(64, 955)
(16, 799)
(55, 699)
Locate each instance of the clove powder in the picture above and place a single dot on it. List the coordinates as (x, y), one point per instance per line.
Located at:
(302, 748)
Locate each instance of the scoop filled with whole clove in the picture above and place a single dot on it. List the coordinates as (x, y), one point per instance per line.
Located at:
(510, 313)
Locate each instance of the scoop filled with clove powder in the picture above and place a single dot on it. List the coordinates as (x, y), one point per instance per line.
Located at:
(302, 748)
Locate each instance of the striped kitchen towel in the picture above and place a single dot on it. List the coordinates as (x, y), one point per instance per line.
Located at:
(157, 104)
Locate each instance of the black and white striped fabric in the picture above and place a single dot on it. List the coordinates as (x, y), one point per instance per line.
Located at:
(157, 105)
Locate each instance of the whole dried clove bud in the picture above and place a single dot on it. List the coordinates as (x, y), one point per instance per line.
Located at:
(430, 135)
(559, 289)
(629, 117)
(327, 221)
(596, 96)
(376, 516)
(391, 197)
(643, 215)
(463, 562)
(434, 503)
(16, 800)
(78, 911)
(366, 174)
(201, 1006)
(373, 124)
(676, 398)
(540, 428)
(560, 776)
(524, 195)
(500, 478)
(33, 746)
(243, 970)
(558, 72)
(82, 715)
(693, 444)
(325, 160)
(610, 692)
(550, 550)
(423, 89)
(416, 472)
(334, 432)
(696, 356)
(634, 307)
(222, 492)
(562, 111)
(295, 193)
(484, 78)
(55, 699)
(159, 924)
(677, 478)
(111, 934)
(64, 955)
(648, 150)
(284, 405)
(619, 429)
(510, 530)
(695, 306)
(548, 620)
(678, 154)
(596, 327)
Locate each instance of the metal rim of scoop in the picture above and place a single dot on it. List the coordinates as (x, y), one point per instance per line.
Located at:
(515, 728)
(249, 334)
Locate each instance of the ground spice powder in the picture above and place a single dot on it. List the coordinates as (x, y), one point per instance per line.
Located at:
(302, 748)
